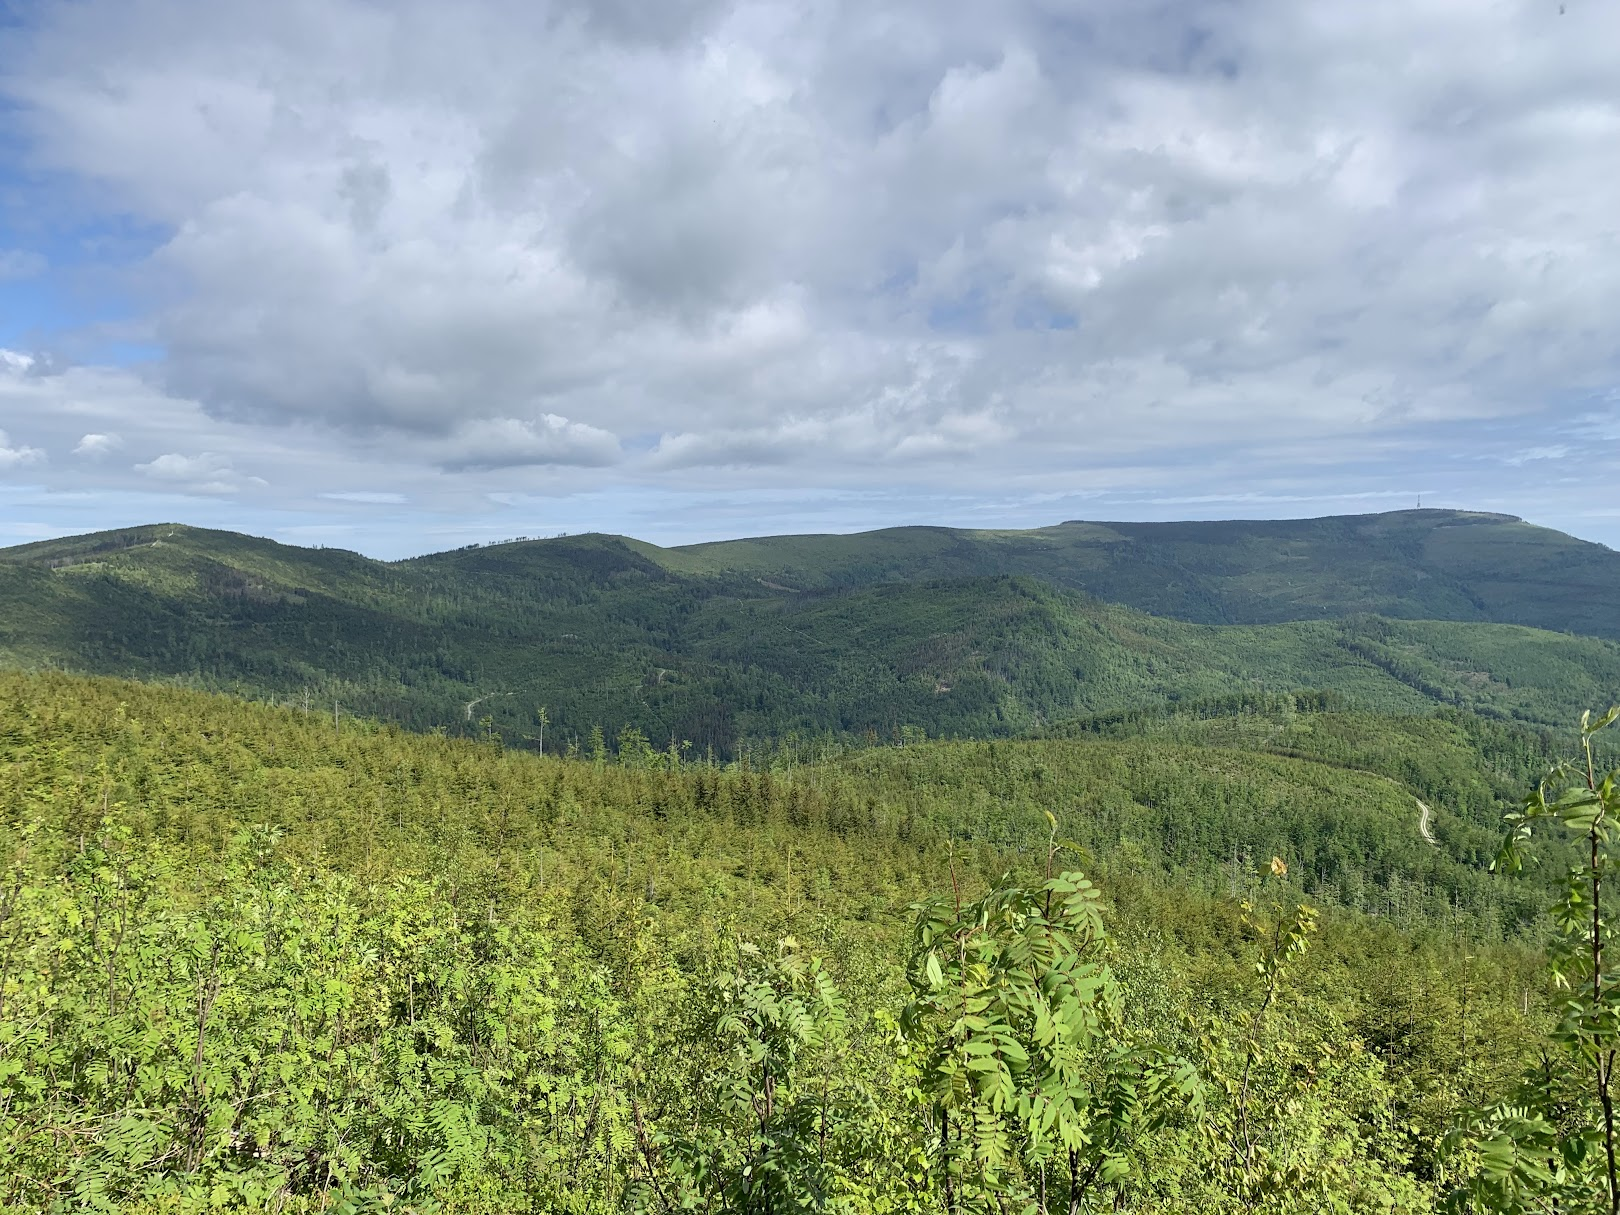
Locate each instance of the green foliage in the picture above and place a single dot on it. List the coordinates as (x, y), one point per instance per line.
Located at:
(1299, 1117)
(279, 1032)
(773, 1124)
(1552, 1143)
(1034, 1088)
(1285, 936)
(255, 959)
(1204, 815)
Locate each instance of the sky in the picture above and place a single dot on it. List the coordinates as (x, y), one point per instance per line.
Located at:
(401, 276)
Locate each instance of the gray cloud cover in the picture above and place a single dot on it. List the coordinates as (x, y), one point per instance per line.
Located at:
(1195, 253)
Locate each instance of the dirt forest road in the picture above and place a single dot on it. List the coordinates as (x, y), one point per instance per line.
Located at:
(1424, 815)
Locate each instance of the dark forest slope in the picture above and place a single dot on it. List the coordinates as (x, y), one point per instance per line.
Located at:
(1419, 564)
(957, 633)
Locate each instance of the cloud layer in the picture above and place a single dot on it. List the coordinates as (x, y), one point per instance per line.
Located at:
(504, 247)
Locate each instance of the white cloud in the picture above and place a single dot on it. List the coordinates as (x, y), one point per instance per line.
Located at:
(371, 497)
(495, 246)
(205, 473)
(1552, 451)
(881, 435)
(15, 457)
(96, 446)
(513, 442)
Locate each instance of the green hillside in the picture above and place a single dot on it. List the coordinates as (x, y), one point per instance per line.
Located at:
(1419, 564)
(252, 959)
(679, 645)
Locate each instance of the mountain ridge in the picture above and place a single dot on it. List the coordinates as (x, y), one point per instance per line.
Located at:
(1416, 564)
(965, 634)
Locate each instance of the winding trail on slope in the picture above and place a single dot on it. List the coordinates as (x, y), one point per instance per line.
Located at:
(1424, 815)
(472, 704)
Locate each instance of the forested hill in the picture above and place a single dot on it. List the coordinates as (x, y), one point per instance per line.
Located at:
(1417, 564)
(1413, 565)
(956, 633)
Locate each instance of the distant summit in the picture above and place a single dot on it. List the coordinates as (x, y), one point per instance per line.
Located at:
(1414, 564)
(1437, 514)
